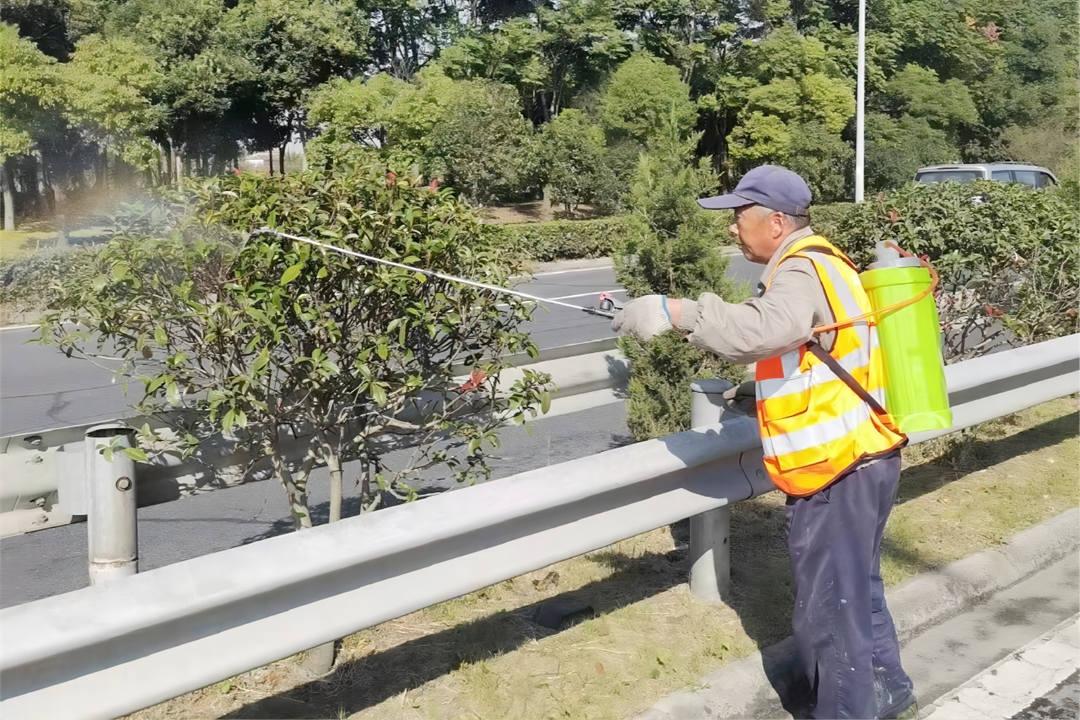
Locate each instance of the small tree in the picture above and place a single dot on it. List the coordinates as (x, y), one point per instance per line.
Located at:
(673, 249)
(275, 342)
(643, 97)
(486, 148)
(573, 150)
(895, 149)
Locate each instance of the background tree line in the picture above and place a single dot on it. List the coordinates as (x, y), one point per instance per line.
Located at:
(502, 98)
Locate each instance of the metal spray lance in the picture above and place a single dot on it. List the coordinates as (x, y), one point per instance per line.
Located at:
(430, 273)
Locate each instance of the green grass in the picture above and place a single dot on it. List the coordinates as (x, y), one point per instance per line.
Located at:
(15, 244)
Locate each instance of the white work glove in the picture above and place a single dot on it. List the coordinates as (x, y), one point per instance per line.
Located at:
(651, 315)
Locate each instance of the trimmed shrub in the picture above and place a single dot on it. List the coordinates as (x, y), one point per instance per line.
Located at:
(824, 217)
(1007, 257)
(26, 283)
(565, 239)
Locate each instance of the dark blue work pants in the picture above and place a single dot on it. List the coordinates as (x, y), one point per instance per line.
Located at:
(842, 627)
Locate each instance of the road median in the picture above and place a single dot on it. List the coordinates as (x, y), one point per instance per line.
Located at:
(610, 633)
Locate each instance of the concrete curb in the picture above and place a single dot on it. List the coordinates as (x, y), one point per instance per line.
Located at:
(740, 689)
(561, 266)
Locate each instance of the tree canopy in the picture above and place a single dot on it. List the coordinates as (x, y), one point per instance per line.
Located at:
(161, 90)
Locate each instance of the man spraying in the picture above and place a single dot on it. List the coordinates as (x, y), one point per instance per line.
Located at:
(828, 442)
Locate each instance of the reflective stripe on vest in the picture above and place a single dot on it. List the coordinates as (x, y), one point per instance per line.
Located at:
(813, 426)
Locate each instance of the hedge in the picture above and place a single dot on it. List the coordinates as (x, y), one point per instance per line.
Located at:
(565, 239)
(1008, 256)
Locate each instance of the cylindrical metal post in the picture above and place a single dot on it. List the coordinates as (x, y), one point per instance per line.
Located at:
(111, 527)
(710, 555)
(860, 106)
(710, 552)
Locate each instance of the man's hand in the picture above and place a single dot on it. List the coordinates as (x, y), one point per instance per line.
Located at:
(645, 317)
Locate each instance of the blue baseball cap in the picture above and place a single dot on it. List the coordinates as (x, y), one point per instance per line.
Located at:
(771, 186)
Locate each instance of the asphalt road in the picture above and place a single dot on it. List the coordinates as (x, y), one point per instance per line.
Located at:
(41, 389)
(52, 561)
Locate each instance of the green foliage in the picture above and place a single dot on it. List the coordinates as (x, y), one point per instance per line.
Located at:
(760, 139)
(1007, 256)
(795, 117)
(764, 81)
(565, 239)
(28, 89)
(643, 96)
(1042, 144)
(574, 155)
(512, 53)
(895, 149)
(25, 283)
(672, 248)
(356, 110)
(661, 371)
(823, 159)
(293, 46)
(580, 42)
(468, 132)
(917, 92)
(824, 217)
(485, 147)
(111, 85)
(245, 337)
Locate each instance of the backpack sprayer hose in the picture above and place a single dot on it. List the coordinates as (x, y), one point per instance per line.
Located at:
(429, 273)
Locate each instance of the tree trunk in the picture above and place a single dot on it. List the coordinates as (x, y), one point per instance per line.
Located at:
(303, 156)
(8, 187)
(295, 492)
(320, 660)
(333, 463)
(281, 159)
(46, 203)
(270, 152)
(162, 165)
(365, 486)
(99, 172)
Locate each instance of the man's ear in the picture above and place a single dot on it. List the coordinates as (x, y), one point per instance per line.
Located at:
(778, 225)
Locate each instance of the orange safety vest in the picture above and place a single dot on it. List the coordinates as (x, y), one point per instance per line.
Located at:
(815, 423)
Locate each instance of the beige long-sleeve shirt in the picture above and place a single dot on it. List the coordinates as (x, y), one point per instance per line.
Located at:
(779, 319)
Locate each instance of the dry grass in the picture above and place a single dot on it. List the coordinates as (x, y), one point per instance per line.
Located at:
(643, 636)
(534, 211)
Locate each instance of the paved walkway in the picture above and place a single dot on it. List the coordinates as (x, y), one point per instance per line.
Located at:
(1037, 681)
(1015, 654)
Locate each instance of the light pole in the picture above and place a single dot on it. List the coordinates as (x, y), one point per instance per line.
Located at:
(860, 102)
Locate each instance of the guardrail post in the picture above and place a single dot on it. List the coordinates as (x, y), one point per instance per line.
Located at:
(111, 527)
(710, 551)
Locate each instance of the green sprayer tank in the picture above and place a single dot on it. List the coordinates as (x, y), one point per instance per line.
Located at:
(915, 392)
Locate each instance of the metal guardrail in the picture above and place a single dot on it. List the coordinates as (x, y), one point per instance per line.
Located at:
(108, 650)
